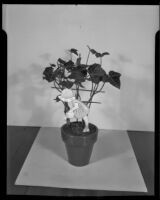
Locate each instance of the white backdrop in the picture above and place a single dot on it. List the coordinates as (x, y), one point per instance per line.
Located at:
(40, 34)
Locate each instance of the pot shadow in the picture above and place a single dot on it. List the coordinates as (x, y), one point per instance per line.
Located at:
(107, 145)
(51, 140)
(110, 145)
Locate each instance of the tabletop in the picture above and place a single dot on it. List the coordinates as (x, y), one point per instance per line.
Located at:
(21, 138)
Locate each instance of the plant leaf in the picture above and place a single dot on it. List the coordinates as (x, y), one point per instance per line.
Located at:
(78, 61)
(96, 69)
(69, 65)
(93, 51)
(66, 84)
(61, 61)
(82, 69)
(74, 51)
(115, 79)
(77, 74)
(105, 53)
(49, 74)
(93, 67)
(57, 99)
(105, 78)
(95, 79)
(114, 74)
(52, 65)
(77, 82)
(98, 55)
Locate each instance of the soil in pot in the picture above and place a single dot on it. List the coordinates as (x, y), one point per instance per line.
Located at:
(79, 145)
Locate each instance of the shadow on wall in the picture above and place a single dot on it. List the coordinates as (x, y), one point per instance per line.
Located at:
(33, 95)
(135, 108)
(131, 107)
(137, 104)
(137, 95)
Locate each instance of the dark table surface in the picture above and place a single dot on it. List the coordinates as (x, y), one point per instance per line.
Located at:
(21, 138)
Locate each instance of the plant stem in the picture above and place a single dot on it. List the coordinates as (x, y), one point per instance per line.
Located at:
(93, 93)
(59, 85)
(101, 61)
(100, 88)
(91, 90)
(88, 57)
(78, 93)
(56, 86)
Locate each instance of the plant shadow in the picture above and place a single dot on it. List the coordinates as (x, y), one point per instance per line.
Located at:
(51, 140)
(112, 143)
(108, 145)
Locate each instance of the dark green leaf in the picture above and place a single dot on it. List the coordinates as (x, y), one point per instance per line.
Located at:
(98, 55)
(69, 65)
(95, 79)
(113, 73)
(105, 78)
(114, 79)
(96, 69)
(93, 51)
(74, 51)
(82, 69)
(66, 84)
(61, 61)
(57, 99)
(77, 75)
(93, 67)
(80, 84)
(105, 53)
(52, 65)
(78, 62)
(49, 74)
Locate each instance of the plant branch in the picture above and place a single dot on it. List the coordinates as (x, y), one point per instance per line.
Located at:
(93, 93)
(56, 87)
(100, 88)
(78, 92)
(59, 85)
(88, 57)
(101, 61)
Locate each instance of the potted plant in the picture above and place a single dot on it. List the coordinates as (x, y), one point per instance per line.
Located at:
(68, 78)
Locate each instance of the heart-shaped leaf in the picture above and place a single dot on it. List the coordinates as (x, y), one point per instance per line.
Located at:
(66, 84)
(96, 69)
(69, 65)
(105, 78)
(114, 79)
(82, 69)
(93, 67)
(95, 79)
(49, 74)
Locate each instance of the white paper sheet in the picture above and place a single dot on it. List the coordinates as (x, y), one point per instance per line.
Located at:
(113, 165)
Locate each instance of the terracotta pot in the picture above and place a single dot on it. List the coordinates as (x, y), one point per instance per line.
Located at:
(79, 146)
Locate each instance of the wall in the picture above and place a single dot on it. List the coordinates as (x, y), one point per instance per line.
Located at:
(40, 34)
